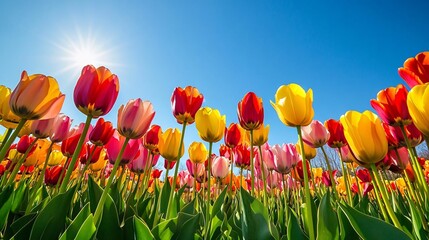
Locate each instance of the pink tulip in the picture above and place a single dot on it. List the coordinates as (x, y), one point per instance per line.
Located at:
(41, 128)
(267, 155)
(185, 179)
(115, 144)
(220, 167)
(285, 157)
(138, 164)
(315, 135)
(195, 169)
(401, 159)
(134, 118)
(347, 155)
(60, 128)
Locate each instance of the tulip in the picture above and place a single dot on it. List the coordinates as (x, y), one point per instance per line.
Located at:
(169, 144)
(365, 135)
(151, 138)
(225, 151)
(232, 135)
(293, 105)
(7, 118)
(69, 145)
(250, 112)
(260, 135)
(60, 128)
(42, 128)
(195, 169)
(400, 158)
(285, 157)
(100, 163)
(139, 163)
(169, 165)
(92, 154)
(309, 152)
(326, 178)
(24, 143)
(298, 171)
(96, 91)
(56, 158)
(336, 133)
(220, 167)
(268, 157)
(185, 104)
(134, 118)
(347, 155)
(417, 101)
(115, 144)
(52, 175)
(36, 97)
(210, 124)
(242, 156)
(416, 70)
(197, 152)
(391, 106)
(101, 133)
(315, 135)
(185, 179)
(156, 173)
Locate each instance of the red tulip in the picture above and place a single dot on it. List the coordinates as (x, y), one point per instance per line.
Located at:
(169, 164)
(185, 104)
(242, 156)
(24, 143)
(68, 146)
(156, 173)
(151, 138)
(134, 118)
(298, 172)
(60, 128)
(93, 150)
(363, 174)
(326, 178)
(250, 111)
(416, 69)
(101, 133)
(52, 175)
(232, 135)
(96, 91)
(336, 131)
(225, 151)
(391, 106)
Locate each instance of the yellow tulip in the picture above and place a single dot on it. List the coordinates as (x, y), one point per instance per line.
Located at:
(260, 135)
(55, 158)
(7, 118)
(38, 156)
(36, 97)
(210, 124)
(365, 135)
(14, 155)
(198, 152)
(309, 152)
(97, 166)
(417, 102)
(293, 105)
(169, 144)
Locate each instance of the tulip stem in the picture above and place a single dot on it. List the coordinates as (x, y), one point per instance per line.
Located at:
(231, 158)
(20, 161)
(264, 179)
(5, 146)
(331, 176)
(176, 170)
(308, 198)
(75, 154)
(385, 197)
(100, 206)
(346, 178)
(252, 170)
(209, 171)
(6, 136)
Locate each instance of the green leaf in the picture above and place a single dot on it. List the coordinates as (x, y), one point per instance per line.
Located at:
(20, 198)
(294, 231)
(255, 223)
(94, 193)
(135, 228)
(346, 230)
(369, 227)
(82, 227)
(165, 229)
(417, 222)
(304, 216)
(6, 200)
(217, 214)
(327, 222)
(109, 226)
(165, 194)
(187, 225)
(50, 222)
(22, 226)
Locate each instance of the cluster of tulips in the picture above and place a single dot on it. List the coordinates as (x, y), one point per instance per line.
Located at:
(100, 182)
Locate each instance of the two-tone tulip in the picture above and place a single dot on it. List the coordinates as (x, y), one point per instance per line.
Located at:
(8, 119)
(185, 104)
(60, 128)
(416, 70)
(134, 118)
(151, 138)
(115, 144)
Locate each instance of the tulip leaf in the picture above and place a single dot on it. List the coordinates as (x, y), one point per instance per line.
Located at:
(165, 194)
(165, 229)
(187, 226)
(109, 226)
(417, 222)
(327, 222)
(369, 227)
(346, 230)
(94, 193)
(82, 227)
(50, 222)
(255, 223)
(136, 228)
(22, 226)
(6, 200)
(20, 198)
(294, 231)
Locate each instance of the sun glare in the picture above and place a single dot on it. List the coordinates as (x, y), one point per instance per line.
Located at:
(78, 50)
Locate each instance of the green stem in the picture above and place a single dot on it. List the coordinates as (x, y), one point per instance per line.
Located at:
(263, 176)
(99, 209)
(176, 170)
(385, 197)
(5, 146)
(75, 154)
(331, 176)
(308, 199)
(6, 137)
(252, 170)
(380, 203)
(195, 180)
(231, 159)
(346, 178)
(209, 172)
(20, 161)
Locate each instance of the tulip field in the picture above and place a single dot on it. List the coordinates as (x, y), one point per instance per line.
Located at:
(99, 181)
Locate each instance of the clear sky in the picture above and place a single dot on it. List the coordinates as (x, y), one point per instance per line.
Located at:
(346, 51)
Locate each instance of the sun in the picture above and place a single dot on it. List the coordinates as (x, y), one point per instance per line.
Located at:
(80, 49)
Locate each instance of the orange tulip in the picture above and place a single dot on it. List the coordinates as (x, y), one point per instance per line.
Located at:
(416, 69)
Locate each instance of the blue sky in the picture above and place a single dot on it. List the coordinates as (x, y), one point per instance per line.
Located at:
(346, 51)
